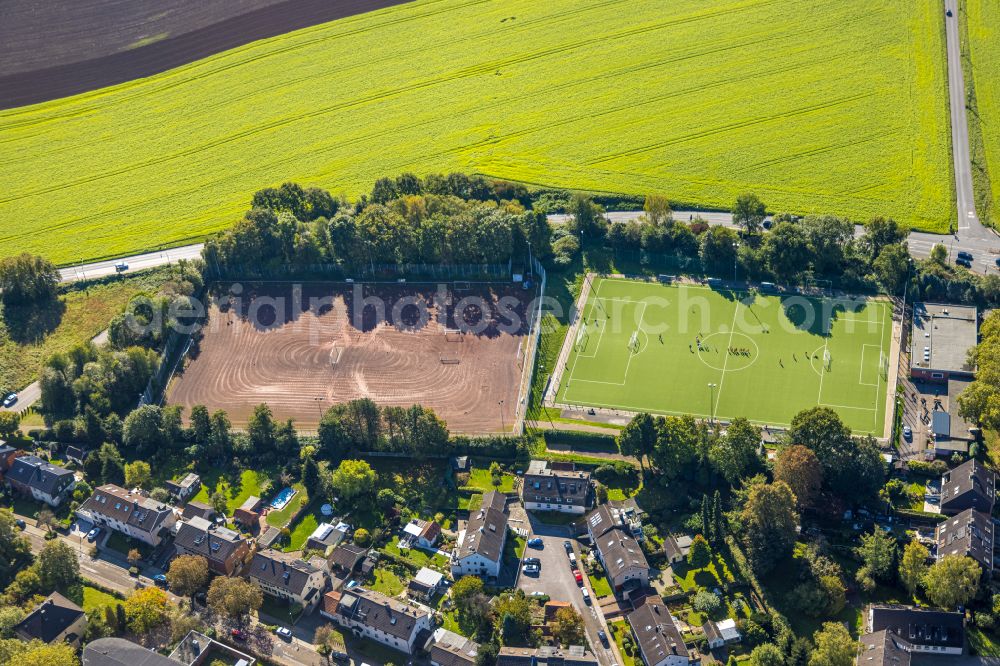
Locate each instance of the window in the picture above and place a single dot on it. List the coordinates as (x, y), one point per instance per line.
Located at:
(937, 375)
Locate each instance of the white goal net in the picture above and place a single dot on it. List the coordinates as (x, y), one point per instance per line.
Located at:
(633, 342)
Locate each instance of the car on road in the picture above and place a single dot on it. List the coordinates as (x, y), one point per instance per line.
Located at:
(965, 263)
(284, 632)
(531, 569)
(997, 260)
(160, 580)
(20, 524)
(121, 267)
(947, 12)
(907, 433)
(586, 595)
(578, 576)
(10, 400)
(962, 254)
(568, 546)
(533, 560)
(340, 656)
(535, 543)
(238, 634)
(604, 638)
(572, 559)
(93, 534)
(538, 593)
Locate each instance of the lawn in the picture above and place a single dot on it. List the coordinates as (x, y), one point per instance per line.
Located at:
(481, 480)
(305, 526)
(791, 353)
(692, 580)
(852, 119)
(387, 582)
(282, 517)
(619, 629)
(94, 599)
(29, 335)
(982, 50)
(421, 558)
(599, 582)
(250, 483)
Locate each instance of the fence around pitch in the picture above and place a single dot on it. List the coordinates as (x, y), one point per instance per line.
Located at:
(531, 352)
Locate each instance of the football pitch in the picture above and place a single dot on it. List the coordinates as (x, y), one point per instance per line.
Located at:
(694, 349)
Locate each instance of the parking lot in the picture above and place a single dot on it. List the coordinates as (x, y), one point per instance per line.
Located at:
(556, 580)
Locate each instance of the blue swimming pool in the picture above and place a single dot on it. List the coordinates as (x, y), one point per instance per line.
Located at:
(282, 498)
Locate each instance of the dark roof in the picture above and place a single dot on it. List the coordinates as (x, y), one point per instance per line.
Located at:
(134, 509)
(550, 484)
(619, 550)
(36, 473)
(77, 453)
(204, 538)
(486, 529)
(454, 655)
(941, 424)
(52, 617)
(883, 648)
(346, 556)
(546, 655)
(656, 632)
(968, 533)
(970, 479)
(671, 549)
(711, 631)
(379, 612)
(280, 570)
(919, 626)
(199, 509)
(120, 652)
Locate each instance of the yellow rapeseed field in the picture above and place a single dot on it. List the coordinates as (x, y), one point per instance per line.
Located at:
(984, 51)
(817, 105)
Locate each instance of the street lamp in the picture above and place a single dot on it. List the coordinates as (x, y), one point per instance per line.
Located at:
(711, 403)
(735, 255)
(319, 407)
(503, 426)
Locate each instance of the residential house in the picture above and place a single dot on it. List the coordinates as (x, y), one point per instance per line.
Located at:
(969, 533)
(224, 549)
(555, 486)
(677, 548)
(446, 648)
(326, 537)
(248, 514)
(7, 455)
(479, 550)
(547, 655)
(41, 480)
(657, 636)
(184, 489)
(197, 509)
(425, 584)
(422, 533)
(925, 631)
(77, 454)
(971, 485)
(883, 648)
(380, 618)
(120, 652)
(617, 549)
(289, 578)
(721, 633)
(56, 620)
(129, 512)
(197, 649)
(344, 559)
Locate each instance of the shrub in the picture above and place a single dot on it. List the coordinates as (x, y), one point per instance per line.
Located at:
(934, 468)
(707, 602)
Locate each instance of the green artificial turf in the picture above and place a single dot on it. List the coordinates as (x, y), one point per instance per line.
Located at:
(782, 371)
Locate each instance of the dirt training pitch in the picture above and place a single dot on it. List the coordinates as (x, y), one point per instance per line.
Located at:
(301, 350)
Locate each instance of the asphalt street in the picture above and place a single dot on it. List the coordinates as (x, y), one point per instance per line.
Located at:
(964, 197)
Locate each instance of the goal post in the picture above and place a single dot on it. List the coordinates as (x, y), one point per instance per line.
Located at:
(453, 335)
(827, 358)
(581, 337)
(633, 342)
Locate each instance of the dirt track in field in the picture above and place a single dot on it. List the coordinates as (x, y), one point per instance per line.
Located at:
(58, 48)
(326, 355)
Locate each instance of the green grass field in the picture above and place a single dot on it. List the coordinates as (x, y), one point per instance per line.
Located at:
(781, 372)
(983, 23)
(825, 106)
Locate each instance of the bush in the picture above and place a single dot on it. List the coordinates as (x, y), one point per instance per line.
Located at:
(362, 537)
(618, 473)
(707, 602)
(584, 441)
(935, 468)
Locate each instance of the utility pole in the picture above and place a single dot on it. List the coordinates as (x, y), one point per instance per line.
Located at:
(711, 403)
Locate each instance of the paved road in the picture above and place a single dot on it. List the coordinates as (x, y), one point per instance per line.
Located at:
(966, 202)
(135, 262)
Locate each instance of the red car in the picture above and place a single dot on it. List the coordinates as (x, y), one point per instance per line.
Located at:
(578, 576)
(238, 634)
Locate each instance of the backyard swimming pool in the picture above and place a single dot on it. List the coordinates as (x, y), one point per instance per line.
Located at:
(282, 498)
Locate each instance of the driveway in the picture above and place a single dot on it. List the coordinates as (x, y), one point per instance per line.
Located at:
(556, 580)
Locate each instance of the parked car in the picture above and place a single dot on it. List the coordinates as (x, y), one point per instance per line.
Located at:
(572, 560)
(284, 632)
(535, 543)
(907, 433)
(340, 656)
(538, 593)
(568, 546)
(963, 262)
(998, 262)
(586, 595)
(962, 254)
(604, 637)
(238, 634)
(531, 569)
(10, 400)
(160, 580)
(533, 560)
(93, 534)
(578, 576)
(20, 524)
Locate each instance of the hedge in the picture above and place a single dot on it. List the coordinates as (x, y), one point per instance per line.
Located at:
(584, 441)
(935, 468)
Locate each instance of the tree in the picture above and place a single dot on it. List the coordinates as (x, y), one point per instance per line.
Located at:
(718, 249)
(852, 468)
(26, 279)
(146, 609)
(234, 598)
(134, 557)
(138, 474)
(880, 233)
(46, 519)
(353, 478)
(638, 438)
(718, 518)
(769, 522)
(798, 467)
(14, 652)
(749, 213)
(201, 425)
(786, 251)
(496, 474)
(10, 617)
(657, 209)
(9, 423)
(513, 611)
(58, 566)
(311, 477)
(913, 566)
(221, 439)
(143, 429)
(736, 455)
(188, 574)
(568, 627)
(952, 581)
(261, 430)
(677, 439)
(891, 268)
(878, 552)
(706, 601)
(219, 503)
(700, 553)
(767, 654)
(834, 646)
(362, 537)
(465, 588)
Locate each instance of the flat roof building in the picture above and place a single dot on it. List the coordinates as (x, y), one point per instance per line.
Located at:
(940, 340)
